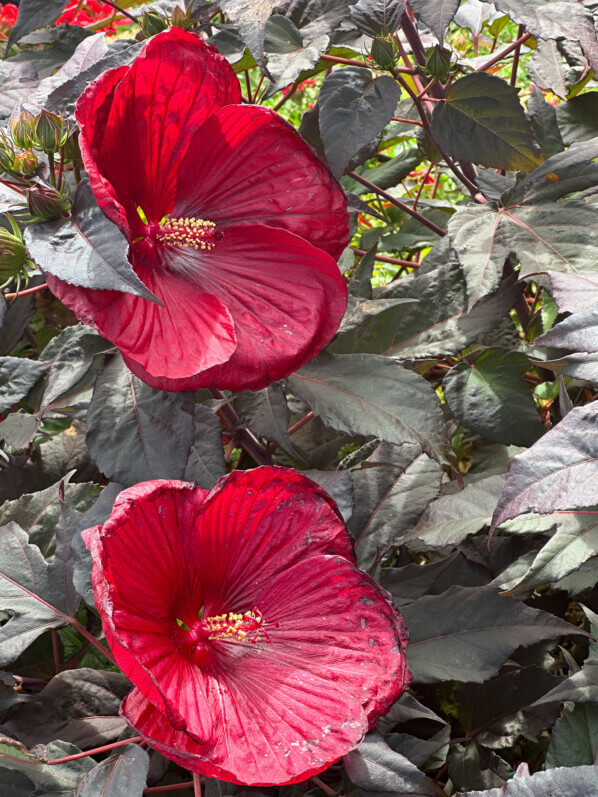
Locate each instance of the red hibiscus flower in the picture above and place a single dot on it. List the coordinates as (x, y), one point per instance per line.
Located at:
(8, 17)
(259, 652)
(233, 222)
(91, 12)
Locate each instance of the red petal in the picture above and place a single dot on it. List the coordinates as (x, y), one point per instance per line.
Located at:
(275, 732)
(286, 298)
(192, 331)
(267, 520)
(139, 606)
(92, 112)
(247, 165)
(336, 622)
(149, 118)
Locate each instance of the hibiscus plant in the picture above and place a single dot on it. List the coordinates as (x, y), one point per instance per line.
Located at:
(298, 382)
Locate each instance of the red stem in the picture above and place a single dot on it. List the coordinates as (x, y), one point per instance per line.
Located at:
(499, 56)
(397, 203)
(188, 784)
(336, 60)
(408, 121)
(67, 758)
(421, 185)
(384, 259)
(196, 785)
(245, 438)
(295, 428)
(55, 650)
(41, 287)
(516, 55)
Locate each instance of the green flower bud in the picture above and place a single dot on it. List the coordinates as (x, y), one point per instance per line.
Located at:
(21, 129)
(72, 152)
(51, 132)
(182, 19)
(7, 156)
(383, 53)
(152, 23)
(438, 63)
(13, 255)
(25, 163)
(46, 203)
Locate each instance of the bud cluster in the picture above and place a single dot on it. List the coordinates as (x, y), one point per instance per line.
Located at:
(27, 134)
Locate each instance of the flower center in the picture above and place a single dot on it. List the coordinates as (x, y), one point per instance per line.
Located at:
(249, 627)
(195, 233)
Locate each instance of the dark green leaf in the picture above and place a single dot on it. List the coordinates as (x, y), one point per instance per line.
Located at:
(251, 17)
(289, 58)
(500, 710)
(35, 14)
(375, 767)
(572, 782)
(482, 121)
(30, 592)
(206, 455)
(451, 518)
(578, 118)
(563, 173)
(15, 319)
(77, 706)
(89, 251)
(266, 413)
(476, 766)
(436, 14)
(408, 583)
(377, 17)
(544, 122)
(17, 377)
(467, 633)
(124, 772)
(581, 687)
(387, 174)
(368, 394)
(574, 292)
(489, 396)
(361, 281)
(134, 432)
(58, 779)
(355, 107)
(70, 355)
(573, 543)
(557, 472)
(545, 19)
(338, 485)
(549, 70)
(390, 496)
(574, 737)
(437, 324)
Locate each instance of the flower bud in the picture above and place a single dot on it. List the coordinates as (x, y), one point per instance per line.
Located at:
(438, 63)
(21, 129)
(383, 53)
(51, 132)
(13, 254)
(72, 152)
(46, 203)
(152, 23)
(181, 18)
(7, 155)
(25, 163)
